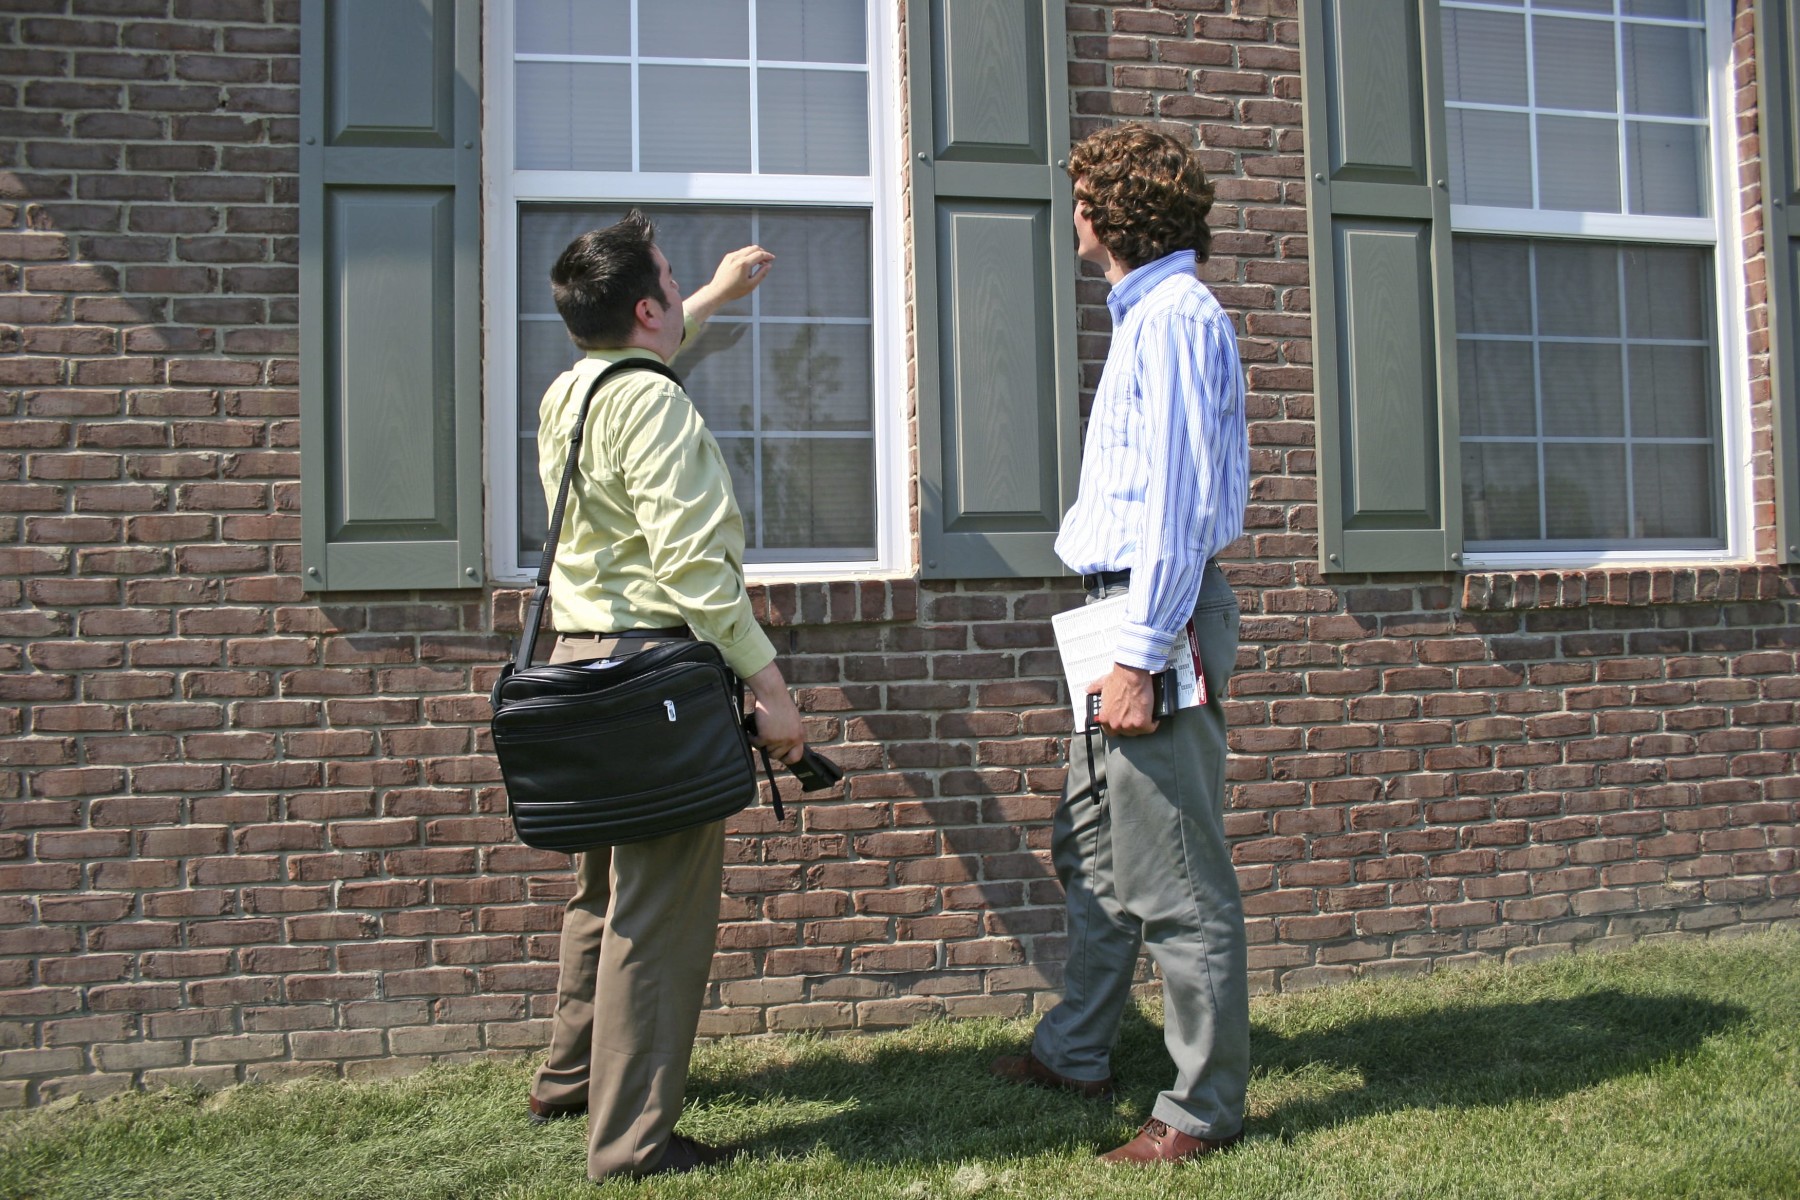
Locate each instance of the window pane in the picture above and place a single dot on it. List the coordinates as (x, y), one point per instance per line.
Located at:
(740, 461)
(757, 367)
(693, 29)
(822, 263)
(818, 492)
(1484, 57)
(1668, 292)
(1490, 158)
(572, 117)
(1582, 163)
(573, 27)
(1677, 492)
(1578, 289)
(1596, 6)
(1493, 285)
(1496, 383)
(1667, 169)
(1632, 393)
(544, 233)
(1584, 493)
(695, 239)
(1574, 64)
(1680, 10)
(1671, 391)
(717, 368)
(545, 352)
(1500, 492)
(811, 31)
(534, 509)
(1584, 390)
(814, 122)
(695, 118)
(816, 377)
(1665, 75)
(1578, 164)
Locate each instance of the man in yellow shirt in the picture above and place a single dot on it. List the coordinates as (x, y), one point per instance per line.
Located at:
(652, 550)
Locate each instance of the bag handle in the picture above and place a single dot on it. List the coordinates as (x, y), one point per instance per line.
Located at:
(534, 612)
(748, 720)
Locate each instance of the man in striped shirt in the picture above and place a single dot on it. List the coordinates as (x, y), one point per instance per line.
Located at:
(1139, 838)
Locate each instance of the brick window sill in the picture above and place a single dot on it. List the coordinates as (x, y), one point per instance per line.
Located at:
(1502, 591)
(782, 605)
(835, 602)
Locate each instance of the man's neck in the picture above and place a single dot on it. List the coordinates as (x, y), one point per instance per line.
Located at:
(638, 341)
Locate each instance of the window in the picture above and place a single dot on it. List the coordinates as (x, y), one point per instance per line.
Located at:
(1592, 204)
(729, 122)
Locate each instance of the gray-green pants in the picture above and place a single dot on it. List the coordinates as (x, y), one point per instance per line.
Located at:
(1146, 863)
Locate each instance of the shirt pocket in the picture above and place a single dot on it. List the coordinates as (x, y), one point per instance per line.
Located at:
(1116, 418)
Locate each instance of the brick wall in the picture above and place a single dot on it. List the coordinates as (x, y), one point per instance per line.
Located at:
(248, 833)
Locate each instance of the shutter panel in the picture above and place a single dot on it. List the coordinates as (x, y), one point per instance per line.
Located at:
(390, 293)
(994, 284)
(1384, 331)
(1778, 52)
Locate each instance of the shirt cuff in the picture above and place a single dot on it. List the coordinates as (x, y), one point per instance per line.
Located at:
(1145, 648)
(749, 653)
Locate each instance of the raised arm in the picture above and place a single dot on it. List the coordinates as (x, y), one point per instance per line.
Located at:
(740, 273)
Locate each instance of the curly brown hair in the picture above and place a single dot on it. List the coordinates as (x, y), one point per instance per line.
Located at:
(1144, 192)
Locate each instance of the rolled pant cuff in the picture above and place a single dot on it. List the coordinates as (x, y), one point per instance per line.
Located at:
(1177, 1118)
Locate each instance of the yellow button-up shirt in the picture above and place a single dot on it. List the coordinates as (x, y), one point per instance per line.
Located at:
(652, 536)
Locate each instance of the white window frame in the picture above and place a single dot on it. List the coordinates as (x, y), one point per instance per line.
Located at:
(1725, 235)
(504, 190)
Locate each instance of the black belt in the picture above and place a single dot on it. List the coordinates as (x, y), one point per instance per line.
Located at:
(1100, 580)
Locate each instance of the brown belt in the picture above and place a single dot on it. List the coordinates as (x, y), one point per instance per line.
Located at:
(673, 631)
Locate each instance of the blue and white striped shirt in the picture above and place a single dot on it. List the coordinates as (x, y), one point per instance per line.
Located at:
(1165, 472)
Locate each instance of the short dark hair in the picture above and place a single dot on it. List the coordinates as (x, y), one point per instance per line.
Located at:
(1145, 193)
(598, 280)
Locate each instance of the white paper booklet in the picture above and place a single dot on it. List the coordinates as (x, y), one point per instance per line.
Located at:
(1086, 638)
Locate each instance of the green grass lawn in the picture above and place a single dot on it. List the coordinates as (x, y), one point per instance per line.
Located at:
(1670, 1070)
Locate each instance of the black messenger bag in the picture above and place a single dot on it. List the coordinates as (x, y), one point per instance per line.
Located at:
(618, 750)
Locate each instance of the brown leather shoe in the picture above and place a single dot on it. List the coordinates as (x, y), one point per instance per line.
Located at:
(543, 1113)
(1157, 1143)
(684, 1154)
(1029, 1068)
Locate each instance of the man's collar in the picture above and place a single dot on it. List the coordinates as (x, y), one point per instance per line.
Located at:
(1135, 286)
(613, 354)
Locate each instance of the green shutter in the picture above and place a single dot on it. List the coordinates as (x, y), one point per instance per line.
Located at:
(390, 294)
(994, 280)
(1383, 301)
(1778, 50)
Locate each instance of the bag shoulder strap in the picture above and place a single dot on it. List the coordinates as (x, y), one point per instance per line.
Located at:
(534, 612)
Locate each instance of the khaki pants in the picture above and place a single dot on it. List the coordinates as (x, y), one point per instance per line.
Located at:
(1144, 862)
(637, 947)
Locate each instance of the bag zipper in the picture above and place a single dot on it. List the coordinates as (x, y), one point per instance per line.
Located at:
(624, 689)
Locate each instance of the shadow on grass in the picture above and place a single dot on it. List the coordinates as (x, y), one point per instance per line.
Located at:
(1477, 1055)
(900, 1105)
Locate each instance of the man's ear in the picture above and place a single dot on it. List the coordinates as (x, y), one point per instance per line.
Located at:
(650, 313)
